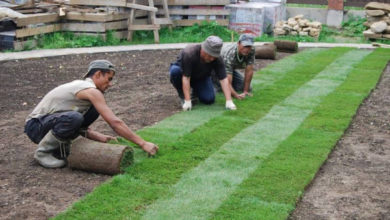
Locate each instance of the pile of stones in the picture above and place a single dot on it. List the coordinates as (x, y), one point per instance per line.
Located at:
(378, 20)
(298, 25)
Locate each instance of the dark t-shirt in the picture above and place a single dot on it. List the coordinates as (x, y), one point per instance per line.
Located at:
(192, 66)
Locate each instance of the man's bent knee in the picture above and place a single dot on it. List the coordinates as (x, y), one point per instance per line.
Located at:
(68, 125)
(207, 100)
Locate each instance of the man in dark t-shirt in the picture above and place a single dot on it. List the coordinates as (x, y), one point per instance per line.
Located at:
(193, 69)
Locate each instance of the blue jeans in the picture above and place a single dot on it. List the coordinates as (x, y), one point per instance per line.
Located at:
(64, 125)
(203, 89)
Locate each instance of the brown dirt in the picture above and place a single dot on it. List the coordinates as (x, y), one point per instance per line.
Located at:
(142, 96)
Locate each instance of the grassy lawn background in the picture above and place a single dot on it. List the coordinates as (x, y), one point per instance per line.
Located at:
(255, 172)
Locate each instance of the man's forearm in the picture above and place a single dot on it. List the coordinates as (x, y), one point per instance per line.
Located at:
(97, 136)
(186, 88)
(225, 88)
(248, 78)
(94, 135)
(124, 131)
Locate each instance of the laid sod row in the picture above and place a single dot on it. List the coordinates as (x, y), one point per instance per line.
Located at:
(223, 171)
(170, 129)
(137, 193)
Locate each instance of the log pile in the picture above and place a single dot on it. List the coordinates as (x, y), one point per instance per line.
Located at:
(378, 21)
(298, 25)
(18, 23)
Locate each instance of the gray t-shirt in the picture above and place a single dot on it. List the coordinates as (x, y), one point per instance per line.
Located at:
(63, 98)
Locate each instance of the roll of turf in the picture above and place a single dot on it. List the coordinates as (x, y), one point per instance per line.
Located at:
(99, 157)
(266, 51)
(286, 46)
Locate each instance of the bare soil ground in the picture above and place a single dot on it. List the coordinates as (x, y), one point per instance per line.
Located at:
(142, 96)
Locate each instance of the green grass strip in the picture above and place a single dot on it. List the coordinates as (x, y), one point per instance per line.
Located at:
(172, 128)
(203, 189)
(274, 187)
(128, 195)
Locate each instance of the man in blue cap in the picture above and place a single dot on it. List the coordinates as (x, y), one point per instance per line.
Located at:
(240, 55)
(67, 111)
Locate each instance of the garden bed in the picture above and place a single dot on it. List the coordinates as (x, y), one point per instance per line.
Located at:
(142, 96)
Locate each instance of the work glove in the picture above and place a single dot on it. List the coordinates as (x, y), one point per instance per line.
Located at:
(230, 105)
(187, 105)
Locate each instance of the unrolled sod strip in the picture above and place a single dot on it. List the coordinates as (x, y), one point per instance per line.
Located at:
(172, 128)
(278, 70)
(204, 188)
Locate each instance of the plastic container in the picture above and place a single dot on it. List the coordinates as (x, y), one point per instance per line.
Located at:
(247, 18)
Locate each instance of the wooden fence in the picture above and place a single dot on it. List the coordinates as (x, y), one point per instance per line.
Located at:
(354, 3)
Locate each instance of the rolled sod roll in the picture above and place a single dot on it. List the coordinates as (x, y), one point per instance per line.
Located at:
(99, 157)
(266, 51)
(286, 46)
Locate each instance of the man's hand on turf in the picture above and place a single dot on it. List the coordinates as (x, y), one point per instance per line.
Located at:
(150, 148)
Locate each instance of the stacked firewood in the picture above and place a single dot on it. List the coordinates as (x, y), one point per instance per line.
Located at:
(378, 20)
(298, 25)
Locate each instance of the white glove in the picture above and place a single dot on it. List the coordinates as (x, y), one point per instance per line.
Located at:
(230, 105)
(187, 105)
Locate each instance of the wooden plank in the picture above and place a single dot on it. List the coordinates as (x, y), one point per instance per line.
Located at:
(152, 17)
(139, 27)
(167, 19)
(141, 7)
(31, 10)
(163, 21)
(141, 21)
(87, 27)
(116, 25)
(94, 27)
(140, 13)
(130, 23)
(118, 3)
(37, 18)
(117, 34)
(25, 32)
(98, 17)
(194, 2)
(222, 22)
(311, 2)
(195, 12)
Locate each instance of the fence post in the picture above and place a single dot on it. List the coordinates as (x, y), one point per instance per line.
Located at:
(336, 5)
(335, 13)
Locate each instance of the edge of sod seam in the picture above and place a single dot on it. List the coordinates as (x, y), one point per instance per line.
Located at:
(147, 176)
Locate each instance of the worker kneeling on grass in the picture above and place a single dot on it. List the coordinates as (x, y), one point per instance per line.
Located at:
(193, 69)
(236, 56)
(67, 111)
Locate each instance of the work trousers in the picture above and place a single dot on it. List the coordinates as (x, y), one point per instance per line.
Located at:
(64, 125)
(237, 82)
(203, 89)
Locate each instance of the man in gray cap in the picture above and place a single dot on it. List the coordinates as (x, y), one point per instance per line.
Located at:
(193, 69)
(239, 55)
(67, 111)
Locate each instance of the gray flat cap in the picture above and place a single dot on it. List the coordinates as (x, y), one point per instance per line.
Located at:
(212, 45)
